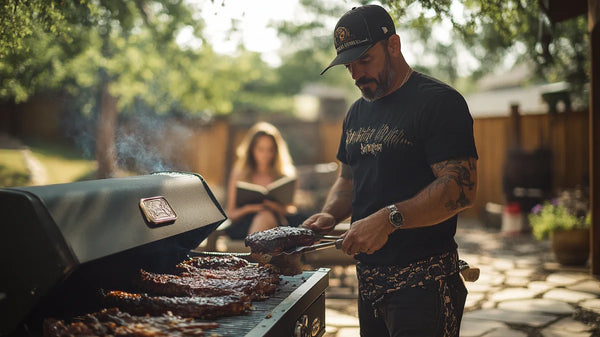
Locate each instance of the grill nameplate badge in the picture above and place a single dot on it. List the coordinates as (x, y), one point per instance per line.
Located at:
(157, 210)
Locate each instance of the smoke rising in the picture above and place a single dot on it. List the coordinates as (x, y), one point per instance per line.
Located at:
(144, 142)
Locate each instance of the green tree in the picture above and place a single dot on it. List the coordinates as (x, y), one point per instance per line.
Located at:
(115, 56)
(492, 31)
(495, 30)
(21, 19)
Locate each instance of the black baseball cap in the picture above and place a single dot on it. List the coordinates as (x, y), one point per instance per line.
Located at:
(358, 30)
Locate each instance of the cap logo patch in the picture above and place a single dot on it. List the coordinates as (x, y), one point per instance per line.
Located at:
(341, 35)
(343, 39)
(384, 29)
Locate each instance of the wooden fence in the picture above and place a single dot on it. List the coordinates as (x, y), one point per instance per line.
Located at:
(565, 134)
(209, 148)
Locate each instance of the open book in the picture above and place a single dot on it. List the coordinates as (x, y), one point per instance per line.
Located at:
(281, 190)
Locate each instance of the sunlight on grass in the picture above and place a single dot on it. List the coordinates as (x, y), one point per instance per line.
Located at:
(63, 164)
(12, 159)
(13, 171)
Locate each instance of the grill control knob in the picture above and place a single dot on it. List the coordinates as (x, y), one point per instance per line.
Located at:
(316, 327)
(302, 329)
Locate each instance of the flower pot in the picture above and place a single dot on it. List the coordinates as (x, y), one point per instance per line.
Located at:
(571, 247)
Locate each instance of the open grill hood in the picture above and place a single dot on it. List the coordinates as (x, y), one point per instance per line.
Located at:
(59, 243)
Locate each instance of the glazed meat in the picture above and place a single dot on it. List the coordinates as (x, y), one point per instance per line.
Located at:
(113, 322)
(175, 285)
(198, 307)
(254, 281)
(278, 239)
(216, 262)
(194, 268)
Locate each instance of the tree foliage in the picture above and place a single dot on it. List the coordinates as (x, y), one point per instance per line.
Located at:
(493, 31)
(497, 34)
(132, 45)
(21, 19)
(121, 57)
(309, 49)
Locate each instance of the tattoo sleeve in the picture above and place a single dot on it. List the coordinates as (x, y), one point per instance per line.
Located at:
(457, 179)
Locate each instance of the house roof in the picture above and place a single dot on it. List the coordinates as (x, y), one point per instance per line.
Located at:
(497, 102)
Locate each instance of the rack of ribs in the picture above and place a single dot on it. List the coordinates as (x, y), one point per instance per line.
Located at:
(230, 262)
(279, 239)
(198, 307)
(113, 322)
(226, 276)
(197, 285)
(195, 268)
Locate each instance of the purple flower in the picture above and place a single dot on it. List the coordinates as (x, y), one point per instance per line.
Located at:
(555, 202)
(536, 209)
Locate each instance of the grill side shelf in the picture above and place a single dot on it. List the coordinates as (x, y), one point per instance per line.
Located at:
(282, 319)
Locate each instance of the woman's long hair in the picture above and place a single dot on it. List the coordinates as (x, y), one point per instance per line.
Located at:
(245, 164)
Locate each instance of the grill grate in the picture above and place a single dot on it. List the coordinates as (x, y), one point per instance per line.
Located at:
(263, 311)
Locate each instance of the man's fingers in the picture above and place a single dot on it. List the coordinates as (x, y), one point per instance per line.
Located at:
(308, 223)
(349, 248)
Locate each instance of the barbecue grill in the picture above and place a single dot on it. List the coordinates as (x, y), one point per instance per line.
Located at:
(61, 245)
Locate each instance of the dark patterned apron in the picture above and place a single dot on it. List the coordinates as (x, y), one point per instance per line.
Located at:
(374, 282)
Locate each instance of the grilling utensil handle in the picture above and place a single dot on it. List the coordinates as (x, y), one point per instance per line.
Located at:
(318, 246)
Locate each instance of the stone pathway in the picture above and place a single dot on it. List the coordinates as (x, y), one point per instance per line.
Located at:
(37, 171)
(521, 292)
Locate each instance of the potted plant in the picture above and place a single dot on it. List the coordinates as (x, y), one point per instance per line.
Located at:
(566, 220)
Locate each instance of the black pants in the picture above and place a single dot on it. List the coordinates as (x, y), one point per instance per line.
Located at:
(411, 312)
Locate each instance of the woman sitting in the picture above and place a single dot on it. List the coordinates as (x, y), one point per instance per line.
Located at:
(262, 158)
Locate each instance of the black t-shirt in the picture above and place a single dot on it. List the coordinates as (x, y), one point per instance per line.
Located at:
(390, 144)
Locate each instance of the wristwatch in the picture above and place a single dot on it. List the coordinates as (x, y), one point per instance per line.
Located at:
(396, 218)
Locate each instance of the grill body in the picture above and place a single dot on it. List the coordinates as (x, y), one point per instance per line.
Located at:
(62, 245)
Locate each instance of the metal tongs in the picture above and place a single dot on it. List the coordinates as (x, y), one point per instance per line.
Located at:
(317, 246)
(288, 261)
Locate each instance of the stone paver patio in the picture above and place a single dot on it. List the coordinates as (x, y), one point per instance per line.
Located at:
(521, 292)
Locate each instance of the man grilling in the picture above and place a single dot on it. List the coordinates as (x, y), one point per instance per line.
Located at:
(408, 168)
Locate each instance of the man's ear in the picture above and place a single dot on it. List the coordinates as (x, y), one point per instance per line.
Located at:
(394, 45)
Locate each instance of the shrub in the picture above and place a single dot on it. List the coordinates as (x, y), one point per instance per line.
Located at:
(570, 210)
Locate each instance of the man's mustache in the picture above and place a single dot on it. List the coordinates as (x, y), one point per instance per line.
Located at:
(364, 80)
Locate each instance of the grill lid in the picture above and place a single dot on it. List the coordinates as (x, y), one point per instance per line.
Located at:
(66, 232)
(102, 217)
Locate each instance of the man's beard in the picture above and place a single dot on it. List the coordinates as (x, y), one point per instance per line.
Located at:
(383, 82)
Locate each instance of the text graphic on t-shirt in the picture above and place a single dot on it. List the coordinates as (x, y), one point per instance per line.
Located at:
(373, 139)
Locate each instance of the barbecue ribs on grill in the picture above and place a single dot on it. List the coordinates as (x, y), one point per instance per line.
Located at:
(216, 262)
(278, 239)
(258, 282)
(198, 307)
(113, 322)
(194, 267)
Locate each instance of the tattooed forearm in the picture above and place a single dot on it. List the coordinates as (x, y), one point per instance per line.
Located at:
(457, 180)
(452, 191)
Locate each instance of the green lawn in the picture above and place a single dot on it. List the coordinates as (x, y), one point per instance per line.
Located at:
(62, 163)
(13, 171)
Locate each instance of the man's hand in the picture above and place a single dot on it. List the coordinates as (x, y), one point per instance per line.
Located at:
(367, 235)
(321, 223)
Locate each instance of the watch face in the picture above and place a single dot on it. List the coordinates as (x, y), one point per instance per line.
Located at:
(397, 218)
